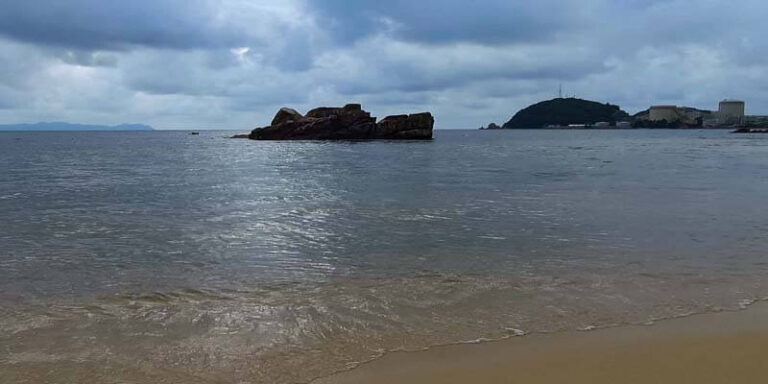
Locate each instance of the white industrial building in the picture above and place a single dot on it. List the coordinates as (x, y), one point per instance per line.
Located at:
(730, 113)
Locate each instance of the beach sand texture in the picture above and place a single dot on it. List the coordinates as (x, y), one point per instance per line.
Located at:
(726, 347)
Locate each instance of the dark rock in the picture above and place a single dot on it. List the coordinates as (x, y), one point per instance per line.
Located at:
(350, 122)
(285, 115)
(406, 127)
(353, 108)
(241, 136)
(323, 112)
(492, 126)
(751, 130)
(390, 125)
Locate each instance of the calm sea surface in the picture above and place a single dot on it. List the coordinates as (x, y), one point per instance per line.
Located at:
(166, 257)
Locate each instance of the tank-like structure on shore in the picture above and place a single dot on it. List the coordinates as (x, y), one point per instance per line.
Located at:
(732, 111)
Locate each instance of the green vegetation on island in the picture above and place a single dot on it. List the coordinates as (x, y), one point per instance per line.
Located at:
(564, 112)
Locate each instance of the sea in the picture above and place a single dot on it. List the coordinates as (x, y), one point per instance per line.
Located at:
(146, 257)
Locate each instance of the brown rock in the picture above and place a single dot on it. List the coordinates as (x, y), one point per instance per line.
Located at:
(350, 122)
(285, 115)
(324, 112)
(353, 108)
(418, 126)
(390, 125)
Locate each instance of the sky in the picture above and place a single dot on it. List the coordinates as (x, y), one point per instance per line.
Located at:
(230, 64)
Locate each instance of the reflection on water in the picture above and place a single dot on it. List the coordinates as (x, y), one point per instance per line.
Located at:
(163, 256)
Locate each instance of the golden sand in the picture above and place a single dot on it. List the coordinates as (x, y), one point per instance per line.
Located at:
(725, 347)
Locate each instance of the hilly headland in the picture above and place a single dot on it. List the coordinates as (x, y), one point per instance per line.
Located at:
(566, 112)
(574, 113)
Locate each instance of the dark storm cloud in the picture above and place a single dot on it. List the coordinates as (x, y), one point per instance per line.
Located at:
(442, 21)
(383, 65)
(115, 25)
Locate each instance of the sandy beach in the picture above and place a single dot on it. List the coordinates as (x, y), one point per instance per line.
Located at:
(724, 347)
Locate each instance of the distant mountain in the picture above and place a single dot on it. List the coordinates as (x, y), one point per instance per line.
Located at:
(59, 126)
(564, 111)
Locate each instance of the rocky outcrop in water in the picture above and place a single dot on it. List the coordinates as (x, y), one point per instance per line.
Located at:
(491, 126)
(350, 122)
(751, 130)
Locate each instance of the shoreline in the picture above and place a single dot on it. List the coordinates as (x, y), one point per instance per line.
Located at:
(711, 347)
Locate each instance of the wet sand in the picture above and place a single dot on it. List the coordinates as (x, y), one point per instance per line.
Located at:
(724, 347)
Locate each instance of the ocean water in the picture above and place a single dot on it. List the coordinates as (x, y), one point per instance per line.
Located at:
(165, 257)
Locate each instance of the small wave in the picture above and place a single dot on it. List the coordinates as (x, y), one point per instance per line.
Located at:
(297, 331)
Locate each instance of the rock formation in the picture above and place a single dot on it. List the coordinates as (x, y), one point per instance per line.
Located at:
(491, 126)
(408, 127)
(350, 122)
(750, 130)
(285, 115)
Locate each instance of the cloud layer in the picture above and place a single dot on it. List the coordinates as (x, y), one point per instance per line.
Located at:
(194, 64)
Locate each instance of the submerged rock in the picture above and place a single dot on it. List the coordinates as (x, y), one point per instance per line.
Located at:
(751, 130)
(350, 122)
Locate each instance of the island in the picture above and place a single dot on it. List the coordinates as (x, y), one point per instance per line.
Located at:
(573, 113)
(491, 126)
(567, 112)
(349, 122)
(61, 126)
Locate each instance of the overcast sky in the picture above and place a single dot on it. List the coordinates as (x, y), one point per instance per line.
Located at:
(229, 64)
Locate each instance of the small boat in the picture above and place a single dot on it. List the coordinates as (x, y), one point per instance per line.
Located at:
(194, 133)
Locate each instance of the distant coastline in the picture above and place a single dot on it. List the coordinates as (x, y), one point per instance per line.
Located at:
(574, 113)
(61, 126)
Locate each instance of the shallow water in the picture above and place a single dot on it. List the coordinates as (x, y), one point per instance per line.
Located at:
(160, 256)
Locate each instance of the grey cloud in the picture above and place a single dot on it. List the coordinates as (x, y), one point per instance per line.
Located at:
(18, 63)
(440, 21)
(381, 65)
(111, 25)
(395, 98)
(244, 80)
(7, 99)
(88, 59)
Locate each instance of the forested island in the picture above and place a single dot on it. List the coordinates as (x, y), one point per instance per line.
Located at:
(564, 112)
